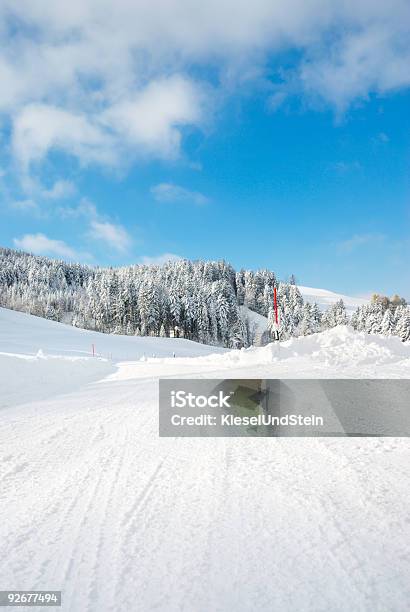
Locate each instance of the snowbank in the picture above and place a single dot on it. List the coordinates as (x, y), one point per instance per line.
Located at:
(28, 378)
(340, 349)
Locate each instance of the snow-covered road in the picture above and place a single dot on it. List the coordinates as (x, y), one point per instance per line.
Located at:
(94, 503)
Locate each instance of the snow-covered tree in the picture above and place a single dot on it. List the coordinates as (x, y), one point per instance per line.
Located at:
(335, 315)
(403, 325)
(387, 324)
(198, 300)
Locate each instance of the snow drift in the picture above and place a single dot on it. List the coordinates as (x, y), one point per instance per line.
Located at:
(339, 352)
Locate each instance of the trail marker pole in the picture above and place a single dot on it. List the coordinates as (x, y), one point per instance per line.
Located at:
(275, 308)
(275, 305)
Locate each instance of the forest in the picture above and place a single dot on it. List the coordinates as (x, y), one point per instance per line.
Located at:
(198, 300)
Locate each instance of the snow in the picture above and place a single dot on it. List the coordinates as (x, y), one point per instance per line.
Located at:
(337, 353)
(322, 297)
(94, 503)
(26, 334)
(25, 377)
(257, 321)
(325, 298)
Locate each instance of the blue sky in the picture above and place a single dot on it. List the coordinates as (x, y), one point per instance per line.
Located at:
(280, 140)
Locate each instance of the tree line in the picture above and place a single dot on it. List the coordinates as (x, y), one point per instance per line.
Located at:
(198, 300)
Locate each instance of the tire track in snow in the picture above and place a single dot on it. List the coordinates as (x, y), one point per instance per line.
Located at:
(197, 524)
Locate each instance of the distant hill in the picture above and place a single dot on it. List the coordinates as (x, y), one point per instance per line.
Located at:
(325, 298)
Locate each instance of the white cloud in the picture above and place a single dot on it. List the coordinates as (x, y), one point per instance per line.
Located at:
(159, 260)
(39, 128)
(59, 190)
(85, 209)
(148, 122)
(151, 120)
(113, 235)
(383, 137)
(27, 205)
(359, 240)
(277, 99)
(125, 44)
(42, 245)
(104, 81)
(100, 227)
(168, 192)
(370, 55)
(347, 166)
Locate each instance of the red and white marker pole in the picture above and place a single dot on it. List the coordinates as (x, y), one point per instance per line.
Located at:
(275, 308)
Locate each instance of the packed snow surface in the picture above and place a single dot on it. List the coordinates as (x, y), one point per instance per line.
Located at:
(94, 503)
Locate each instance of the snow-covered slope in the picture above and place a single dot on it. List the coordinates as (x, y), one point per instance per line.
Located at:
(95, 504)
(257, 321)
(41, 358)
(26, 334)
(325, 298)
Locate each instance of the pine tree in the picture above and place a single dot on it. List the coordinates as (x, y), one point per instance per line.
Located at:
(198, 300)
(335, 315)
(374, 319)
(403, 325)
(387, 325)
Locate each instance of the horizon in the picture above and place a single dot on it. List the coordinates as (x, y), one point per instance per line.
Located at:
(280, 142)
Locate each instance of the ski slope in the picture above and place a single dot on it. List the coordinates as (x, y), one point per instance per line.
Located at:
(94, 503)
(258, 323)
(54, 358)
(26, 334)
(325, 298)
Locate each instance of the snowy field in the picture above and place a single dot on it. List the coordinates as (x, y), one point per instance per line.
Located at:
(94, 503)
